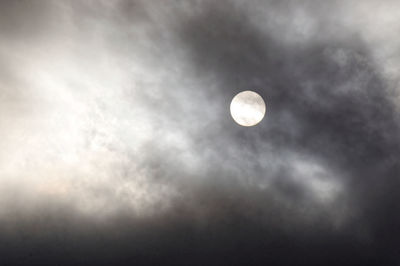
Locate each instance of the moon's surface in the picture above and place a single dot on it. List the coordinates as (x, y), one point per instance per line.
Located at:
(247, 108)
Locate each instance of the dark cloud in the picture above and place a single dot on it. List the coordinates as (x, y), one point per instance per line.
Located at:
(342, 112)
(163, 175)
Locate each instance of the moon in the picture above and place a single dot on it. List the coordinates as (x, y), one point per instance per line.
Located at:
(247, 108)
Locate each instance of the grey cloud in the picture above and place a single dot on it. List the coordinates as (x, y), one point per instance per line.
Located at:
(131, 156)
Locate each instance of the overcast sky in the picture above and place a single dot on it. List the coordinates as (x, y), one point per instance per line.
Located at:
(117, 146)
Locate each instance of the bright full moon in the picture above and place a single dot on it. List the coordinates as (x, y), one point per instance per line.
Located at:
(247, 108)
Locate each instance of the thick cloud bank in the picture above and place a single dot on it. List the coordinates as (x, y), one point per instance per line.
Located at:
(117, 146)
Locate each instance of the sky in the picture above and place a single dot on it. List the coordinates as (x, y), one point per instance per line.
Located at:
(117, 146)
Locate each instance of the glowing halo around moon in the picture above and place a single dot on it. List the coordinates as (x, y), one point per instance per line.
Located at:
(247, 108)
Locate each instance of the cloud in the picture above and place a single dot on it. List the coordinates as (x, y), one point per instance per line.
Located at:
(118, 147)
